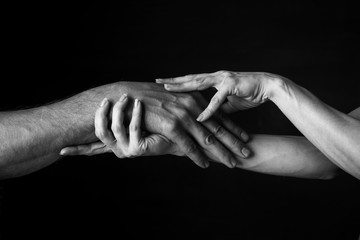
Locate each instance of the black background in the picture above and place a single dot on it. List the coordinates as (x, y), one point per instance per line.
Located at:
(54, 50)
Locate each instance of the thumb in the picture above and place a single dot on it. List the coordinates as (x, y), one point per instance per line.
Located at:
(86, 149)
(158, 144)
(214, 104)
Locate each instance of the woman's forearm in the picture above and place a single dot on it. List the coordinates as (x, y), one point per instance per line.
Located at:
(335, 134)
(287, 156)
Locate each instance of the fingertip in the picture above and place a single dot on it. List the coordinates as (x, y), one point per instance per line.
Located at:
(123, 98)
(64, 152)
(103, 102)
(137, 103)
(203, 116)
(167, 86)
(158, 80)
(244, 136)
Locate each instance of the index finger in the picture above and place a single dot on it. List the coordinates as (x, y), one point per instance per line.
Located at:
(216, 101)
(182, 78)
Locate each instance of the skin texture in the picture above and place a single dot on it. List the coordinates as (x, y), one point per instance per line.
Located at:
(336, 135)
(32, 139)
(276, 155)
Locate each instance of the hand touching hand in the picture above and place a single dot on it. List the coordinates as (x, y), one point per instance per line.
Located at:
(242, 90)
(117, 140)
(172, 115)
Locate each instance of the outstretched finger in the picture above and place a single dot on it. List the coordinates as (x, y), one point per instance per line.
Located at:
(214, 104)
(199, 83)
(86, 149)
(181, 79)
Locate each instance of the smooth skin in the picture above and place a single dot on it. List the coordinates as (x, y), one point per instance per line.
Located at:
(335, 134)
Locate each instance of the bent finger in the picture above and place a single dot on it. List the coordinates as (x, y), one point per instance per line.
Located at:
(135, 124)
(208, 142)
(198, 83)
(224, 136)
(101, 123)
(117, 125)
(232, 127)
(190, 148)
(214, 104)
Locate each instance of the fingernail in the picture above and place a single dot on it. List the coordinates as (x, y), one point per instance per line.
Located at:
(246, 152)
(244, 136)
(166, 86)
(123, 97)
(103, 102)
(158, 80)
(137, 102)
(200, 117)
(62, 152)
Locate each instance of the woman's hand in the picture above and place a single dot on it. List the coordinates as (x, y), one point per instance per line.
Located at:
(117, 140)
(242, 90)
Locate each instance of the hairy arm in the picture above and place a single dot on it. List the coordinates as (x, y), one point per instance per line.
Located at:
(31, 139)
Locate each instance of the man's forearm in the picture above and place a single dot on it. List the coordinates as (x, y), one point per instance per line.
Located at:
(287, 156)
(31, 139)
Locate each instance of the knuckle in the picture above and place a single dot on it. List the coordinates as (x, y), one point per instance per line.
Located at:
(182, 114)
(219, 131)
(171, 125)
(225, 73)
(191, 148)
(99, 134)
(134, 127)
(116, 127)
(210, 139)
(189, 101)
(131, 152)
(236, 142)
(237, 132)
(215, 100)
(199, 80)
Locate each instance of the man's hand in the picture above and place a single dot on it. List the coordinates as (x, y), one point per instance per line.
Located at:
(124, 142)
(242, 89)
(172, 115)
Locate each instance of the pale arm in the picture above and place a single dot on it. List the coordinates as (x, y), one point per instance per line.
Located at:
(290, 156)
(334, 133)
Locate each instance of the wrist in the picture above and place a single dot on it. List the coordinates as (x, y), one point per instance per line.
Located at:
(276, 87)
